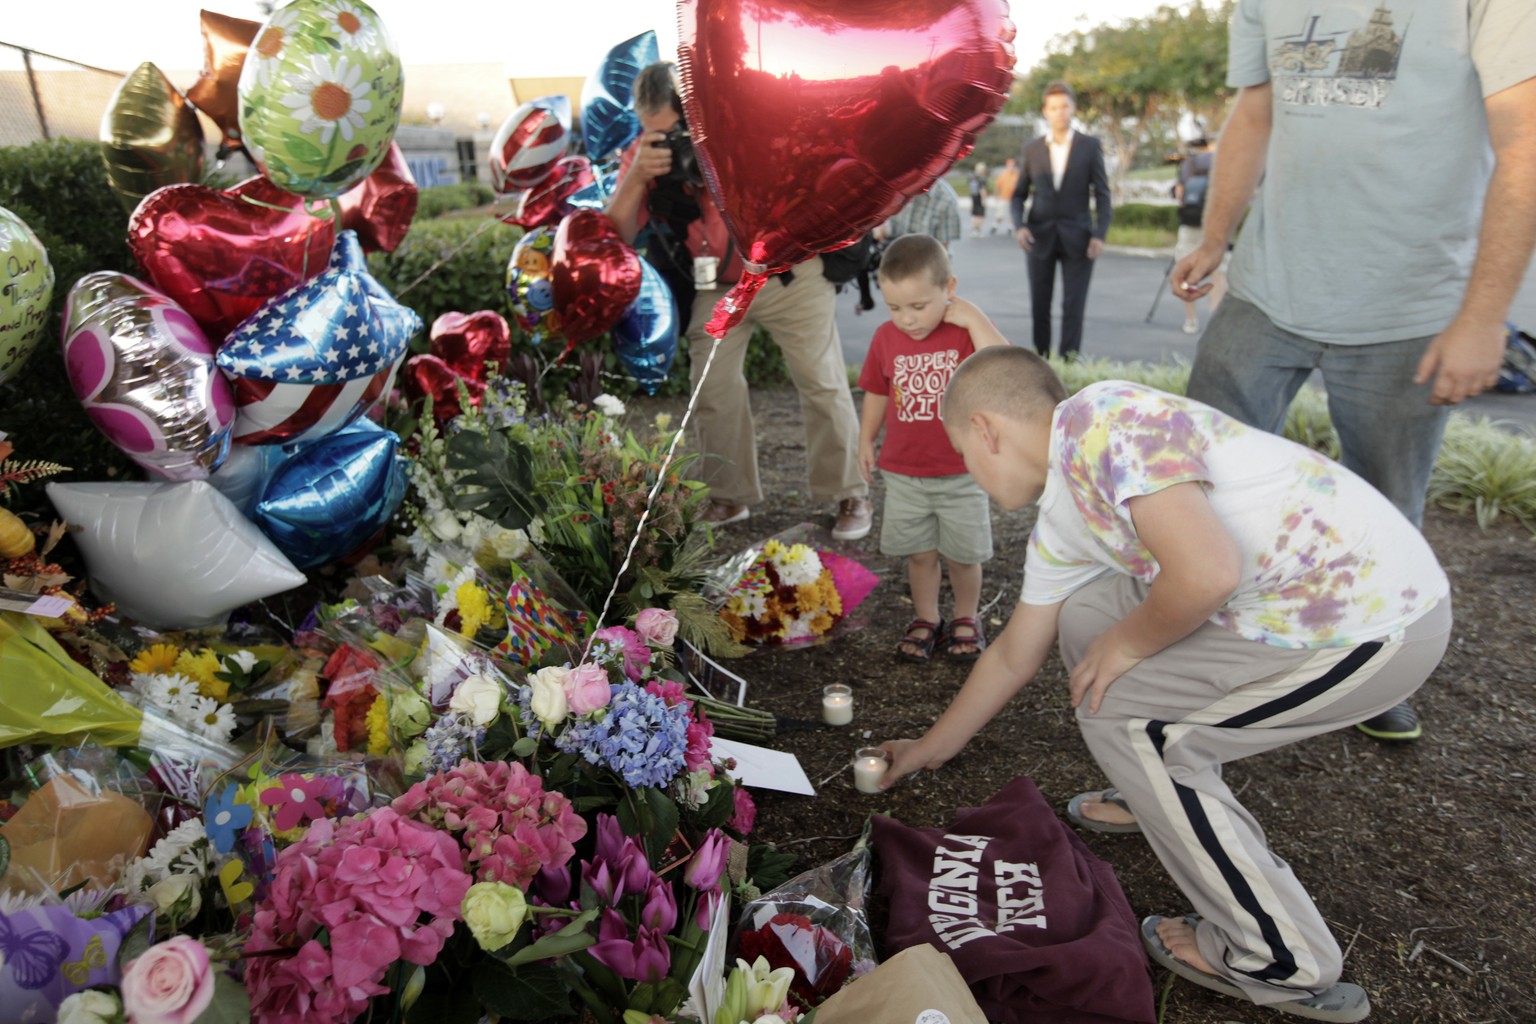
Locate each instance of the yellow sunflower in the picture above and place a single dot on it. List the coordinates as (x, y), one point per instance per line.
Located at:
(155, 659)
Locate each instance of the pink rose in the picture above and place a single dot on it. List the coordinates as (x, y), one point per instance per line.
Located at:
(170, 984)
(586, 689)
(657, 626)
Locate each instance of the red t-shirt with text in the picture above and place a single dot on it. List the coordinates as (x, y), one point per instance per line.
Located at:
(913, 375)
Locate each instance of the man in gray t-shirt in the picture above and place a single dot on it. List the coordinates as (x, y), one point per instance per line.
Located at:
(1396, 144)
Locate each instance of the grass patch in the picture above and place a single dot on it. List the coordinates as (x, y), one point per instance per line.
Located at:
(1138, 237)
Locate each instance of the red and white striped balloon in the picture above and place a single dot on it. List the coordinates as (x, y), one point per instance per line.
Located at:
(529, 143)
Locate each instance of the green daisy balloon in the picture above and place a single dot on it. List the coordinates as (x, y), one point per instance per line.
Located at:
(320, 96)
(26, 286)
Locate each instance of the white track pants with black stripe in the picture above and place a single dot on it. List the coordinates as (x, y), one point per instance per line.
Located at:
(1165, 729)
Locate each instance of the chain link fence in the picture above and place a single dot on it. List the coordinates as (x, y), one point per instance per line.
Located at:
(48, 97)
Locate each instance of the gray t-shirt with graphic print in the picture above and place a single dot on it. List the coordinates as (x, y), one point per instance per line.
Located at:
(1365, 225)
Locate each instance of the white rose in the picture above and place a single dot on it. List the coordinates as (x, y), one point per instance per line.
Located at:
(609, 405)
(549, 694)
(89, 1007)
(478, 698)
(510, 545)
(177, 897)
(446, 525)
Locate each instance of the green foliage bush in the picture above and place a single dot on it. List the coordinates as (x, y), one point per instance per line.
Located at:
(1147, 215)
(473, 256)
(60, 189)
(434, 202)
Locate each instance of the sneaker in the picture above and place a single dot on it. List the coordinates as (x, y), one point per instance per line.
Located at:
(720, 513)
(1191, 326)
(854, 518)
(1398, 724)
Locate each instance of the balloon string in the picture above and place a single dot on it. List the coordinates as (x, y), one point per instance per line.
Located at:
(650, 499)
(434, 268)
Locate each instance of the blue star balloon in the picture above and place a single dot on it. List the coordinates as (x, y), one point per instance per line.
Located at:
(646, 335)
(608, 119)
(595, 196)
(330, 497)
(316, 357)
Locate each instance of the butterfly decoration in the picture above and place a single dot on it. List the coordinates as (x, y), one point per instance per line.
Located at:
(32, 956)
(94, 958)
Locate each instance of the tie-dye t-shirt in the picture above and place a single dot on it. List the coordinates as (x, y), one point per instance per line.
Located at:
(1327, 561)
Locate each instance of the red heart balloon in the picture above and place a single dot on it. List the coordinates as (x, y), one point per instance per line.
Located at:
(596, 277)
(547, 202)
(381, 209)
(814, 121)
(422, 376)
(222, 254)
(466, 342)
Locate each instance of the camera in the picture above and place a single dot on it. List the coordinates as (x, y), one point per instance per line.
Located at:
(685, 162)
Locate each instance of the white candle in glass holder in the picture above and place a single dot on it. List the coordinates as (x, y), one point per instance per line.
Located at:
(837, 704)
(869, 767)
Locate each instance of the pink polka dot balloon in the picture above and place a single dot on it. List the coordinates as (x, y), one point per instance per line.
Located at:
(144, 371)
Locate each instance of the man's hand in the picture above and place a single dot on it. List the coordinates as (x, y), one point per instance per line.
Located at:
(1095, 246)
(652, 160)
(1190, 276)
(1025, 238)
(1464, 360)
(907, 756)
(1102, 664)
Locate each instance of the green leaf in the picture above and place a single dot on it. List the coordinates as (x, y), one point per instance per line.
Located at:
(525, 746)
(564, 942)
(497, 480)
(137, 941)
(768, 866)
(663, 817)
(455, 1004)
(534, 993)
(230, 1004)
(718, 807)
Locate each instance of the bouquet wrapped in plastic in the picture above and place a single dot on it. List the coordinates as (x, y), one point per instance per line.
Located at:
(791, 589)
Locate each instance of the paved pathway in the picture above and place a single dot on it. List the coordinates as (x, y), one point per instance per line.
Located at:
(991, 273)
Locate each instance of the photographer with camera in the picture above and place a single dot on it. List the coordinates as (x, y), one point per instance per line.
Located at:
(662, 207)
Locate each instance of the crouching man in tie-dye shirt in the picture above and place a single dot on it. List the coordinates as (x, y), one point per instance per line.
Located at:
(1218, 592)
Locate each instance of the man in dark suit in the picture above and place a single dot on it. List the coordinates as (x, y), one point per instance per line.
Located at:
(1062, 168)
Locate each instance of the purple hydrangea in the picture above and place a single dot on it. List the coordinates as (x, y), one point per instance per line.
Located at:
(448, 741)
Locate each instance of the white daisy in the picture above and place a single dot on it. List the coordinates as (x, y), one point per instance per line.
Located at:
(355, 25)
(327, 99)
(269, 44)
(211, 719)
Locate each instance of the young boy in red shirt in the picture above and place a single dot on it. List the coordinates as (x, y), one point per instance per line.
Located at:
(933, 509)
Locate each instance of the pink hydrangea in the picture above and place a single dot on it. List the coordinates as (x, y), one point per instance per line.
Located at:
(637, 656)
(507, 827)
(384, 887)
(744, 813)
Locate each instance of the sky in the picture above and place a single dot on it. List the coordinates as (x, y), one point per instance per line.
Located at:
(532, 38)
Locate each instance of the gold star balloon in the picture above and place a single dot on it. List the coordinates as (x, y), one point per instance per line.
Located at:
(150, 136)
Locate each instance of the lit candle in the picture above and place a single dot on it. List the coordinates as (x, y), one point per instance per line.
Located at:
(869, 766)
(837, 704)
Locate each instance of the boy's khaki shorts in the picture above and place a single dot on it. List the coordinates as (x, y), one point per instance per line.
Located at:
(947, 514)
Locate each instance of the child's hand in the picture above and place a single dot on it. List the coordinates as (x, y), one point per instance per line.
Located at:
(1102, 664)
(907, 756)
(867, 460)
(963, 313)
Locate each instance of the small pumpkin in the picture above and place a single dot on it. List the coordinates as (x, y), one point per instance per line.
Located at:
(16, 539)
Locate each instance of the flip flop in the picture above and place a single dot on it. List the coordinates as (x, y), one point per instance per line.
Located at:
(1343, 1002)
(1110, 796)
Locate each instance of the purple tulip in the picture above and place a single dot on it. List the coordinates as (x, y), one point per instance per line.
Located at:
(553, 885)
(708, 862)
(660, 911)
(596, 874)
(645, 958)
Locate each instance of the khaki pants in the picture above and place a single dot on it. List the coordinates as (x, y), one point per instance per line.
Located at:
(800, 316)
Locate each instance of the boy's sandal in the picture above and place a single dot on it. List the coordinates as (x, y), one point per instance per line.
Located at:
(1107, 796)
(922, 635)
(976, 639)
(1343, 1002)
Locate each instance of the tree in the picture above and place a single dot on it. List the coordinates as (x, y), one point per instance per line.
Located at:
(1135, 79)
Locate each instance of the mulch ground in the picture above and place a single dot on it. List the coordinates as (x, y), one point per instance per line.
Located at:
(1421, 855)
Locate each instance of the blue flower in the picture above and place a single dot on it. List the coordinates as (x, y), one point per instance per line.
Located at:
(223, 818)
(637, 736)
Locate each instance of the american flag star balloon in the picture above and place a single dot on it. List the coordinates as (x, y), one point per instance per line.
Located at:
(315, 358)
